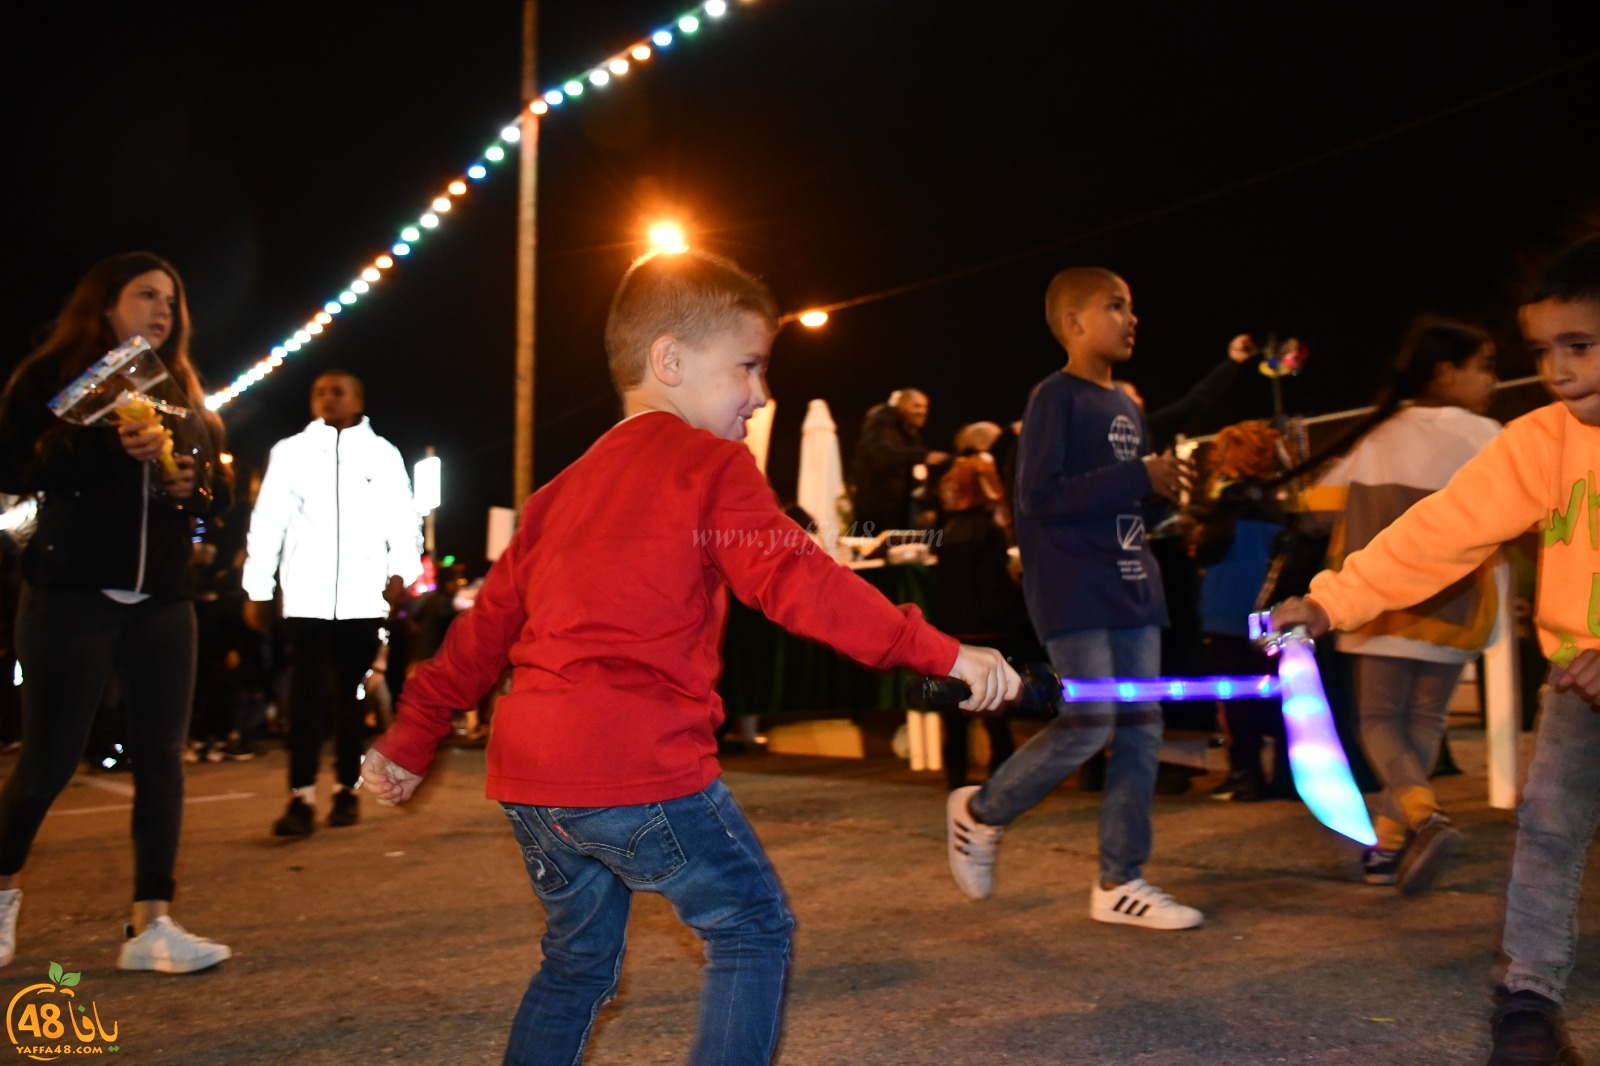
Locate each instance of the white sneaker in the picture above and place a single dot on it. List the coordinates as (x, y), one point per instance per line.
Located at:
(10, 904)
(971, 845)
(168, 947)
(1141, 903)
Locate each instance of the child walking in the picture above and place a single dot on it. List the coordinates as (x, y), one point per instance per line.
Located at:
(1428, 424)
(1094, 595)
(1539, 471)
(609, 606)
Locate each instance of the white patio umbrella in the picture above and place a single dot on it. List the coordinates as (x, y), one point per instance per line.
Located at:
(821, 472)
(758, 433)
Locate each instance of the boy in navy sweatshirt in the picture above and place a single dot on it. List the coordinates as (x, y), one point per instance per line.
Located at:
(1084, 472)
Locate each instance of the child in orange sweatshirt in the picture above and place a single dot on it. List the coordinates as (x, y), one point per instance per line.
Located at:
(1540, 471)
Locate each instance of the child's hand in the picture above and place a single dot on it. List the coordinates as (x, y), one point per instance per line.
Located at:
(144, 440)
(180, 486)
(1582, 676)
(991, 679)
(1298, 611)
(1170, 477)
(388, 783)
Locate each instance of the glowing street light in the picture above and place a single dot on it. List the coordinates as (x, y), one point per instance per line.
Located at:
(668, 237)
(813, 319)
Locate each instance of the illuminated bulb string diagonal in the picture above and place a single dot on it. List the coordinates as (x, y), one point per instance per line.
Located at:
(413, 234)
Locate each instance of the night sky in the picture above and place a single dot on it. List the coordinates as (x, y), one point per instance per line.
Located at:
(836, 148)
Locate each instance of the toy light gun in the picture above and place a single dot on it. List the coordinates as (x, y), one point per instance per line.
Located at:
(131, 384)
(1316, 758)
(1043, 692)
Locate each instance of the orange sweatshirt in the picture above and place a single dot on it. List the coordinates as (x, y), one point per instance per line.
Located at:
(1540, 471)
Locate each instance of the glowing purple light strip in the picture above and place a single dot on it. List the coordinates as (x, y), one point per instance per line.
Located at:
(1142, 689)
(1316, 758)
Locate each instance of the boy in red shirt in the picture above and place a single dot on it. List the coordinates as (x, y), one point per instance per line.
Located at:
(608, 606)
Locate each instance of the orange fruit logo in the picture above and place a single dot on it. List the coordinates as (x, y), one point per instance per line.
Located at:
(45, 1021)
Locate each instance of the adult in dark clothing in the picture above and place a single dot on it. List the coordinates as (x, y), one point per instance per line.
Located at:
(104, 591)
(881, 469)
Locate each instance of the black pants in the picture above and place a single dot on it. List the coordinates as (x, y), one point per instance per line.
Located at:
(69, 642)
(327, 660)
(1250, 722)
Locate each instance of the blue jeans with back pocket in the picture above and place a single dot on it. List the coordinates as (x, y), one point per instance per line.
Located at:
(701, 854)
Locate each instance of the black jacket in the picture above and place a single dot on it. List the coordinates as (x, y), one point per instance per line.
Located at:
(880, 470)
(97, 515)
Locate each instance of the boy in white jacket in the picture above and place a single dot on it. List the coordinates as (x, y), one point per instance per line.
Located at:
(334, 527)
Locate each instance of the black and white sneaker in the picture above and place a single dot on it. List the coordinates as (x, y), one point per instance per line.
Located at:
(1380, 867)
(971, 845)
(1140, 903)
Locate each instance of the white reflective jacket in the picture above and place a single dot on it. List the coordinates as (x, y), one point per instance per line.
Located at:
(334, 520)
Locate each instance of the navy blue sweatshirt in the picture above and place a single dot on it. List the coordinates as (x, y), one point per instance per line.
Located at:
(1081, 489)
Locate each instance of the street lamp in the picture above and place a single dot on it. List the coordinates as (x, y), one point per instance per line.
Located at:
(668, 237)
(426, 494)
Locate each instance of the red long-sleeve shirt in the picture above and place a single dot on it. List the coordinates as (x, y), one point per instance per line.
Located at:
(609, 605)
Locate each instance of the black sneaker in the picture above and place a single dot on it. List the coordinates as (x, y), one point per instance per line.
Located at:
(1240, 786)
(1428, 853)
(1380, 867)
(345, 810)
(296, 821)
(1529, 1031)
(233, 751)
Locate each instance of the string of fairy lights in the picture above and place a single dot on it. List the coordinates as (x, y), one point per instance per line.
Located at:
(415, 233)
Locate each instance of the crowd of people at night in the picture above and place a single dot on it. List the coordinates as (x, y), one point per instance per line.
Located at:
(196, 609)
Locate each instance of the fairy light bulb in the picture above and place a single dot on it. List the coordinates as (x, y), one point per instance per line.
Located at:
(511, 134)
(429, 220)
(598, 78)
(323, 317)
(494, 153)
(688, 24)
(716, 8)
(619, 67)
(383, 262)
(661, 39)
(359, 286)
(410, 233)
(640, 53)
(370, 274)
(401, 248)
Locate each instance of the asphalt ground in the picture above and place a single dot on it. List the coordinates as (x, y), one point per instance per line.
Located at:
(410, 936)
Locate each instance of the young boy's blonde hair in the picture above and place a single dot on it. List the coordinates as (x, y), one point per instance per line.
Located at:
(691, 296)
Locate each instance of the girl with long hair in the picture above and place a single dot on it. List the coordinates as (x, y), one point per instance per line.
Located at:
(104, 592)
(1428, 423)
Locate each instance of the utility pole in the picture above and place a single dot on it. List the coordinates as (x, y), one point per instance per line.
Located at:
(527, 257)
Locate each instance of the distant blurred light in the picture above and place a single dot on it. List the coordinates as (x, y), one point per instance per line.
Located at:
(333, 307)
(477, 172)
(511, 134)
(370, 274)
(313, 328)
(554, 97)
(402, 248)
(661, 38)
(347, 298)
(291, 345)
(383, 262)
(429, 220)
(641, 52)
(598, 78)
(688, 24)
(302, 336)
(494, 153)
(278, 353)
(324, 317)
(618, 67)
(457, 187)
(359, 286)
(716, 8)
(814, 319)
(574, 87)
(410, 233)
(538, 107)
(441, 205)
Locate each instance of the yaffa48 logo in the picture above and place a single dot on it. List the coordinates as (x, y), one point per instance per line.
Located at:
(46, 1021)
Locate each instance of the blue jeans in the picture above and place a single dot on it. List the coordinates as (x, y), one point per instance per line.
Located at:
(697, 851)
(1051, 756)
(1555, 822)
